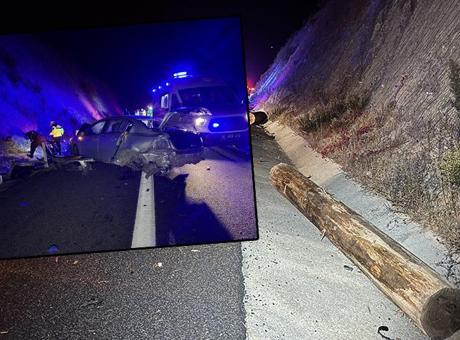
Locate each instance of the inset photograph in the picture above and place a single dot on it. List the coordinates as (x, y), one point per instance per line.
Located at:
(124, 137)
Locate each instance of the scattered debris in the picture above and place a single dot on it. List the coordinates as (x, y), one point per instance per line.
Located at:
(208, 168)
(195, 251)
(159, 264)
(75, 262)
(323, 234)
(93, 301)
(4, 332)
(384, 329)
(350, 269)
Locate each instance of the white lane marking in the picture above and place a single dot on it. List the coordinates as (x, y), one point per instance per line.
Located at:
(144, 234)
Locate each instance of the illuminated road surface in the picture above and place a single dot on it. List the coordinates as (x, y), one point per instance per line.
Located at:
(211, 201)
(290, 284)
(73, 212)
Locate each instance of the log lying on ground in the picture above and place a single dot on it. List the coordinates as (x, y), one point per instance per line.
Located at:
(427, 298)
(257, 117)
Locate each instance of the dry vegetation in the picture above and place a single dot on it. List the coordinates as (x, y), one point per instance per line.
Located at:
(415, 163)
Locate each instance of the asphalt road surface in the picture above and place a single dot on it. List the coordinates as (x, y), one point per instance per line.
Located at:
(290, 284)
(212, 201)
(67, 211)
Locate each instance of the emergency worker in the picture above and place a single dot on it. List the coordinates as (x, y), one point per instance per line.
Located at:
(57, 131)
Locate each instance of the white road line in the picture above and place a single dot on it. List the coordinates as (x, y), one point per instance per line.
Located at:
(144, 234)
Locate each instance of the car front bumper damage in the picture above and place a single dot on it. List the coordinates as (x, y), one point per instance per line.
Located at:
(158, 161)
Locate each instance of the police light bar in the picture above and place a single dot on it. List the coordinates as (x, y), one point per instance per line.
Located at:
(180, 75)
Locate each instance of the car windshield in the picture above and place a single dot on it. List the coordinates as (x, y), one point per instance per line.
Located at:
(221, 95)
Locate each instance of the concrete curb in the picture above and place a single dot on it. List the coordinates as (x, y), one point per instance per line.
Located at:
(375, 208)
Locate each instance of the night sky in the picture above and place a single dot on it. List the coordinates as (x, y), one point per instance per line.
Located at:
(266, 27)
(132, 60)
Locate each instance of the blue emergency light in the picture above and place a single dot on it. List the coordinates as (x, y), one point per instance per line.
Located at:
(182, 74)
(215, 125)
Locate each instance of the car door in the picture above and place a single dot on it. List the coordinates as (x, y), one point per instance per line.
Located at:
(88, 144)
(109, 137)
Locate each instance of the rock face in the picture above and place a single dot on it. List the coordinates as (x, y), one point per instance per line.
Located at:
(37, 85)
(397, 50)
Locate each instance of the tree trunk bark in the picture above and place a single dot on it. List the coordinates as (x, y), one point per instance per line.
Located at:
(427, 298)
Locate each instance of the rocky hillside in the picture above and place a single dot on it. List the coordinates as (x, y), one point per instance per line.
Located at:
(371, 84)
(37, 85)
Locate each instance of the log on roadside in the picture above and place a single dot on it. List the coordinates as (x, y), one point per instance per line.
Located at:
(257, 117)
(426, 297)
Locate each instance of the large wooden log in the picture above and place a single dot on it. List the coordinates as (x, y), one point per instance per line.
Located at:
(426, 297)
(257, 117)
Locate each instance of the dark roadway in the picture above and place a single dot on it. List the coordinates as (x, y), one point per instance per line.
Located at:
(96, 211)
(73, 211)
(281, 286)
(193, 292)
(196, 293)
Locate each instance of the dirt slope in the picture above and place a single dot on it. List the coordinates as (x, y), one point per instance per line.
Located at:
(369, 84)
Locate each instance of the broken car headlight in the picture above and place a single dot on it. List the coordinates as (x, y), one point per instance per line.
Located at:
(161, 143)
(200, 122)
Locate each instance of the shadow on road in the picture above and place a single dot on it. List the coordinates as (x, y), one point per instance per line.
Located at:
(64, 211)
(179, 221)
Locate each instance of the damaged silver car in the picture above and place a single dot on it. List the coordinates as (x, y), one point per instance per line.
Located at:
(127, 141)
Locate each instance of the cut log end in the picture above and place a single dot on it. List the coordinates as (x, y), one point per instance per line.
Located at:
(258, 117)
(440, 316)
(425, 296)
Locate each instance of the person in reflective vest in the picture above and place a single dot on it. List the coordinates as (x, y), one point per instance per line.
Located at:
(57, 132)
